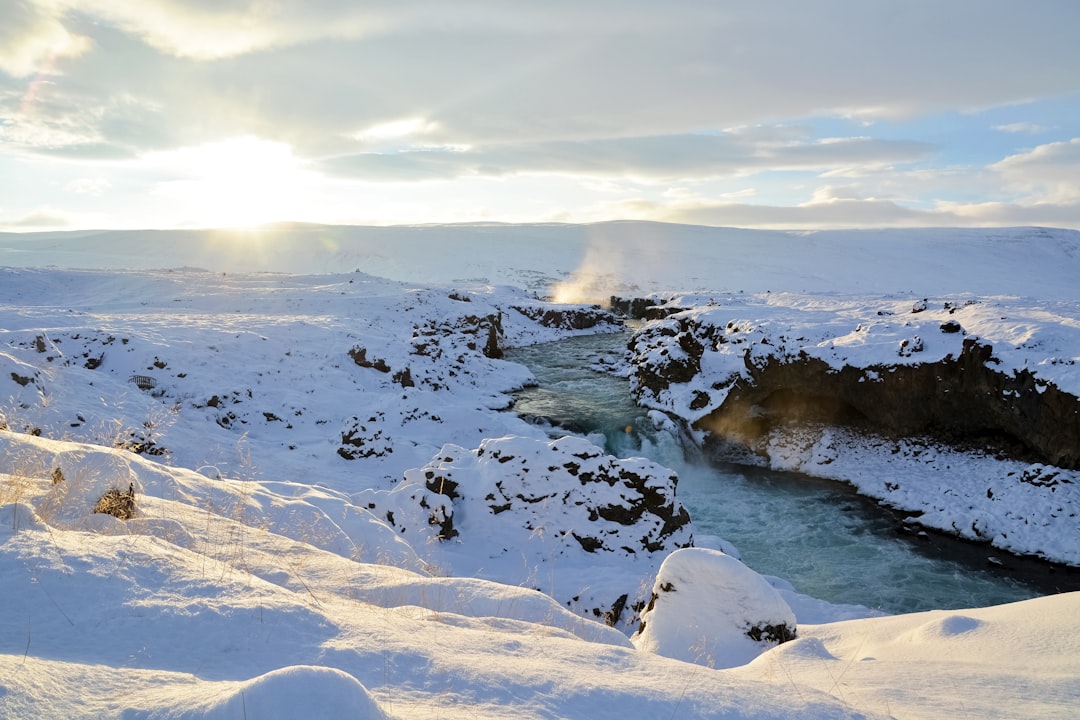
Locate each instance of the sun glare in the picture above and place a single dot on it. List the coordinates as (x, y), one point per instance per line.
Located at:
(241, 182)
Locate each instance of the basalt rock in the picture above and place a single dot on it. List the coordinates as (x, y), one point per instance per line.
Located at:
(569, 317)
(960, 400)
(633, 308)
(640, 308)
(529, 503)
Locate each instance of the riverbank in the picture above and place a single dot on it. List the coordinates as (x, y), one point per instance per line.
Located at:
(734, 369)
(819, 534)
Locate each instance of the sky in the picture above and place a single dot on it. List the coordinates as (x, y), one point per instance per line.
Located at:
(789, 114)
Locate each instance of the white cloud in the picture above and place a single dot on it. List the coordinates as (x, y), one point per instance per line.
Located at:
(88, 186)
(604, 98)
(313, 72)
(1066, 215)
(654, 159)
(240, 181)
(1028, 128)
(1047, 173)
(33, 37)
(39, 219)
(837, 208)
(213, 30)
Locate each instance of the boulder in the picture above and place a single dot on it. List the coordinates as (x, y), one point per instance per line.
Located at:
(709, 608)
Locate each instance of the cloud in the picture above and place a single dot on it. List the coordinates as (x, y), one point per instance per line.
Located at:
(88, 186)
(822, 213)
(489, 96)
(211, 30)
(33, 36)
(1047, 173)
(1028, 128)
(43, 218)
(844, 207)
(657, 158)
(313, 73)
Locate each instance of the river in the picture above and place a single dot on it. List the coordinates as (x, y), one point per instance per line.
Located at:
(817, 534)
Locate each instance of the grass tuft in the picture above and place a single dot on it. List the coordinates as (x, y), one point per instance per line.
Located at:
(118, 504)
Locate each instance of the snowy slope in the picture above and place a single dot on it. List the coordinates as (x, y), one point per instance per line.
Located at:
(227, 599)
(600, 259)
(333, 516)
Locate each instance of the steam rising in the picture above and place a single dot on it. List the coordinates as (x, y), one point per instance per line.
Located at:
(619, 258)
(593, 281)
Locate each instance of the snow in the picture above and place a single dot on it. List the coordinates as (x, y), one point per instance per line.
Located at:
(1016, 506)
(962, 650)
(1040, 336)
(703, 606)
(281, 420)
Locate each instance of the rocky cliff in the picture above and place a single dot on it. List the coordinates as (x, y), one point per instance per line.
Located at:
(918, 373)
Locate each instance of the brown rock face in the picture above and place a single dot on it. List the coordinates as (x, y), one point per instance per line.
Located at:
(960, 400)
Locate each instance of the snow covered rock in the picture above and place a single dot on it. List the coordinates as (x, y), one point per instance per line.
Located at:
(516, 506)
(740, 370)
(569, 317)
(840, 387)
(709, 608)
(290, 692)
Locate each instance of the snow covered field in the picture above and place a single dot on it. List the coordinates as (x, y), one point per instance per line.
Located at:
(333, 517)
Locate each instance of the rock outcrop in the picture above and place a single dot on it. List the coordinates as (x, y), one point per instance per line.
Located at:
(568, 317)
(961, 400)
(737, 379)
(528, 503)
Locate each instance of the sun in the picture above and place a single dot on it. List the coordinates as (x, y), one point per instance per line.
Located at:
(239, 182)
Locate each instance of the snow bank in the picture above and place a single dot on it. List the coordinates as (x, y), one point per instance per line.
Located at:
(290, 692)
(515, 508)
(240, 618)
(709, 608)
(962, 664)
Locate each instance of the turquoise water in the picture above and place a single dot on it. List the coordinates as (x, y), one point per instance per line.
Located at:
(817, 534)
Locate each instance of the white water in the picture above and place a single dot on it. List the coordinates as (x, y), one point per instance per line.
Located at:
(818, 535)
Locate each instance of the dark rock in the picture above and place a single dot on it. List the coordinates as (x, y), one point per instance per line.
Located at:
(771, 633)
(958, 400)
(569, 317)
(611, 617)
(962, 400)
(445, 522)
(442, 485)
(950, 326)
(359, 356)
(588, 544)
(359, 440)
(633, 308)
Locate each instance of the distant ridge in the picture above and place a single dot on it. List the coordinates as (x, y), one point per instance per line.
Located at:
(623, 256)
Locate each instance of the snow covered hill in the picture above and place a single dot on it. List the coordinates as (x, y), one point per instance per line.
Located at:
(277, 486)
(594, 261)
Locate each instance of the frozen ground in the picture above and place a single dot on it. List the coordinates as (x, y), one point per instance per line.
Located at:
(307, 438)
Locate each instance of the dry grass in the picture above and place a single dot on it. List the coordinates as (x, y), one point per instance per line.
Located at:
(118, 504)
